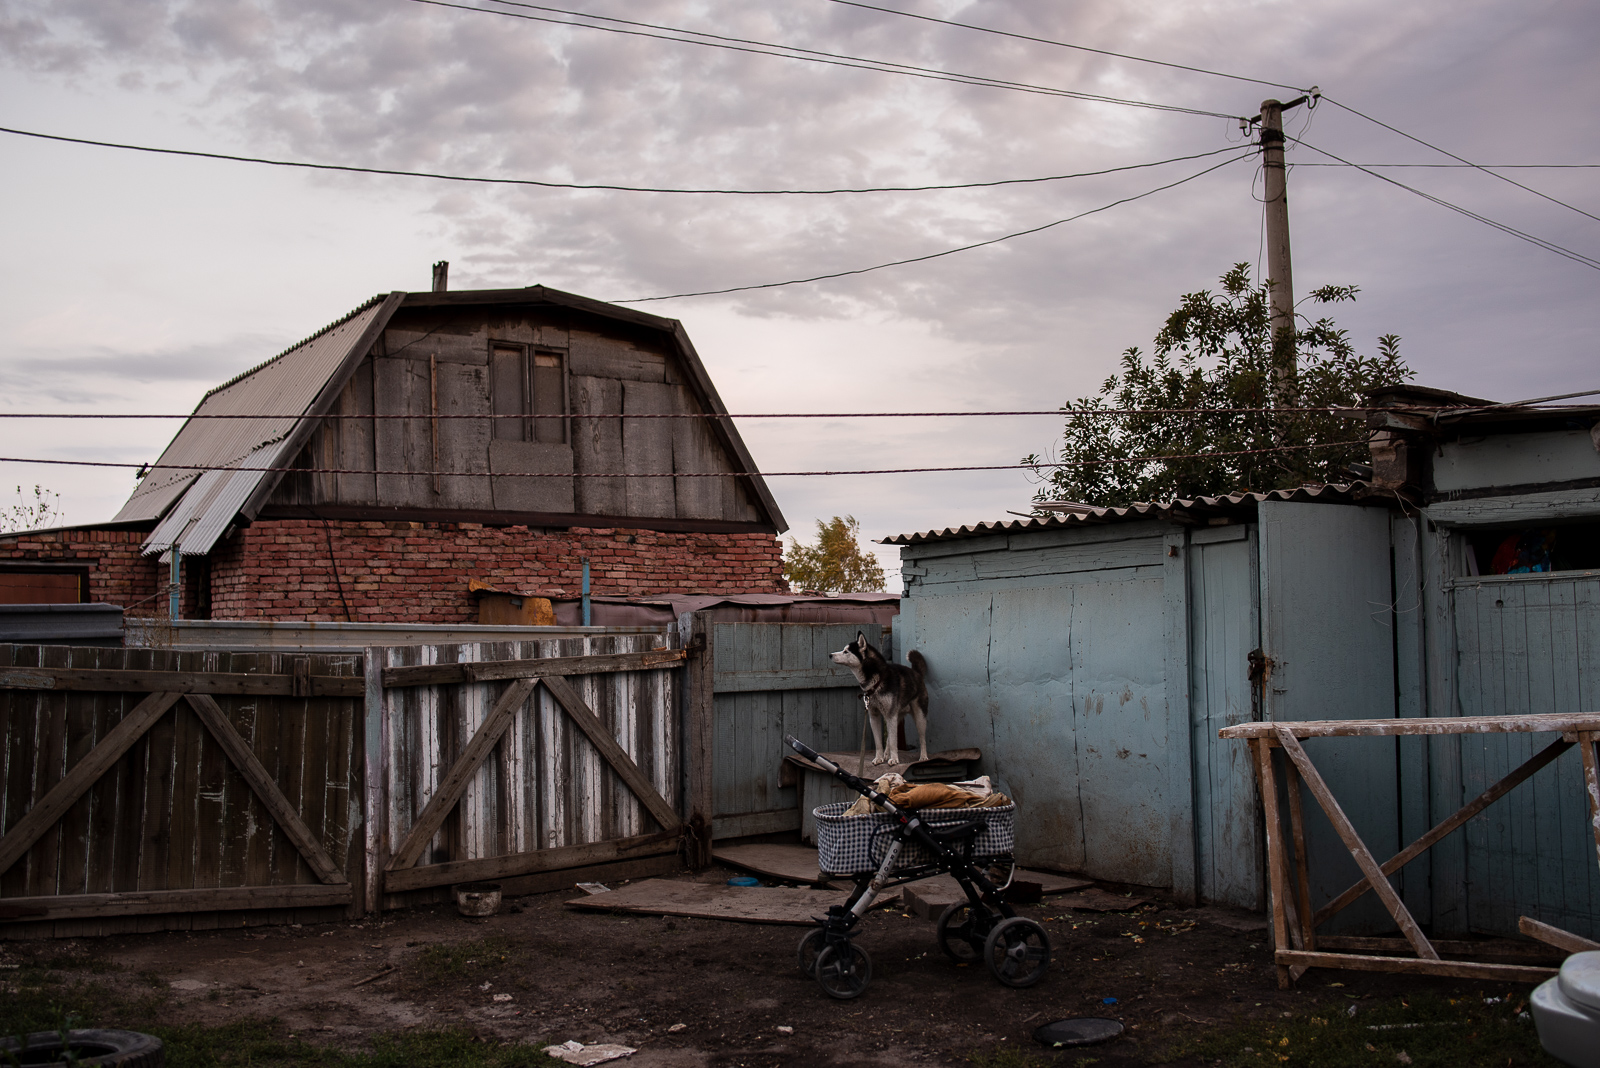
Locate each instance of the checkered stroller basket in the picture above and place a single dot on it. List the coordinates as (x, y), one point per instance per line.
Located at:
(848, 845)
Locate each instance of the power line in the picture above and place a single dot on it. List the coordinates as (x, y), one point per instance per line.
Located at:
(691, 474)
(1066, 44)
(1549, 246)
(1054, 412)
(946, 252)
(1458, 159)
(1470, 166)
(808, 55)
(604, 186)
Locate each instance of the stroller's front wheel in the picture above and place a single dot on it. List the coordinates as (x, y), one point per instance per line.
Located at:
(1018, 952)
(843, 970)
(810, 949)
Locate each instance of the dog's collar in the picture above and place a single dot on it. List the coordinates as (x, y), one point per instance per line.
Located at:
(871, 688)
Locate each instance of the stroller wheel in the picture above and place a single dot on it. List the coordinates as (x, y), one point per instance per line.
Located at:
(1018, 952)
(844, 970)
(810, 949)
(961, 932)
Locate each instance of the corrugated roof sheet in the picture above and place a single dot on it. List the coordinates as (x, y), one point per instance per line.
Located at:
(1200, 507)
(282, 390)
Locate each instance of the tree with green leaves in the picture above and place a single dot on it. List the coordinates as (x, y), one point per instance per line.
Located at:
(1205, 395)
(836, 563)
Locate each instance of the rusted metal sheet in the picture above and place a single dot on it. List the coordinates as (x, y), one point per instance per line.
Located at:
(544, 786)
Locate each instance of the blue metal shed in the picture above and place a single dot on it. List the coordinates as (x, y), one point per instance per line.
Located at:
(1093, 657)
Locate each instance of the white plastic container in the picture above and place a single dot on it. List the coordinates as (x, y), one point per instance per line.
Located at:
(1566, 1011)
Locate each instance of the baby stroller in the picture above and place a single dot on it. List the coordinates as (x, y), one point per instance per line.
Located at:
(900, 846)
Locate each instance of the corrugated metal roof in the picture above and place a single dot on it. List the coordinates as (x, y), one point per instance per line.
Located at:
(1228, 506)
(283, 388)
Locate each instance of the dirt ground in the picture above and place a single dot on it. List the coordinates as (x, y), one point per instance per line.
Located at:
(602, 977)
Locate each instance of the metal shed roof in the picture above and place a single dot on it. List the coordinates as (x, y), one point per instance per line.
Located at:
(1196, 511)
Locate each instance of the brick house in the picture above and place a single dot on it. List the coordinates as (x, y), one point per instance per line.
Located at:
(425, 440)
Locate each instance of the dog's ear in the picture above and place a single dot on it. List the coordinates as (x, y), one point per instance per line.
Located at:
(861, 638)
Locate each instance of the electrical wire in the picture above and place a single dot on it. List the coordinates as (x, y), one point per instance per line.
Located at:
(604, 186)
(1458, 159)
(1471, 166)
(1549, 246)
(1066, 44)
(938, 255)
(692, 474)
(1055, 412)
(808, 55)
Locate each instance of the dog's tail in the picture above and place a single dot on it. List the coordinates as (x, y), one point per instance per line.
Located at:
(918, 664)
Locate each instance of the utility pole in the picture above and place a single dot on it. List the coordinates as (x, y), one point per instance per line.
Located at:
(1280, 271)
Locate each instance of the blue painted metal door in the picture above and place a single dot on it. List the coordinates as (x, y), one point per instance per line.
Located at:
(1528, 644)
(1224, 627)
(769, 680)
(1327, 607)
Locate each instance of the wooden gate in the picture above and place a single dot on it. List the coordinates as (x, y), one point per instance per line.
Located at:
(174, 786)
(758, 682)
(511, 761)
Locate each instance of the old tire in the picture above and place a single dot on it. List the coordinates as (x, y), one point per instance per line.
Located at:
(124, 1049)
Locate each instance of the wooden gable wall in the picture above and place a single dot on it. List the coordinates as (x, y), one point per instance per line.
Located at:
(443, 360)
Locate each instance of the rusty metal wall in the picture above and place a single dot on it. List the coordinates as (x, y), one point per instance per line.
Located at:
(544, 785)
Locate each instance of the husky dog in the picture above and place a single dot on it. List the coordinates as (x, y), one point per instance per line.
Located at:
(889, 691)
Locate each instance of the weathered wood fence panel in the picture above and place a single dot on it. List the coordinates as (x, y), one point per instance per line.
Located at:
(772, 679)
(178, 782)
(520, 758)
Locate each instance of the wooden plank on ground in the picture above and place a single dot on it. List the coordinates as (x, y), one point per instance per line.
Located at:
(530, 668)
(222, 682)
(580, 713)
(776, 860)
(1471, 949)
(716, 901)
(1555, 936)
(245, 761)
(1512, 973)
(140, 903)
(42, 816)
(506, 867)
(460, 774)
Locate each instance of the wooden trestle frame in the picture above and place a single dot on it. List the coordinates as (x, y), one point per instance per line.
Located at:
(1294, 937)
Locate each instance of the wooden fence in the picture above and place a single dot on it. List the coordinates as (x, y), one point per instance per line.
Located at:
(143, 789)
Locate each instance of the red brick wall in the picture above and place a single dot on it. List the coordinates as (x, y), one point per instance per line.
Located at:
(118, 574)
(418, 572)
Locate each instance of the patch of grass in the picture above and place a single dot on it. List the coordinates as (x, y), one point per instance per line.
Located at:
(1009, 1057)
(1425, 1031)
(461, 959)
(251, 1043)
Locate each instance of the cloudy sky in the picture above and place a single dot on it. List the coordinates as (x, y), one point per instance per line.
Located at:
(134, 282)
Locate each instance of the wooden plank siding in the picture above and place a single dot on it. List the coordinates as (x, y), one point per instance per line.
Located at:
(436, 361)
(172, 813)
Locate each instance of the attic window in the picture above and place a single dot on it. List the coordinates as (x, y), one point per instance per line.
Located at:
(1535, 549)
(525, 381)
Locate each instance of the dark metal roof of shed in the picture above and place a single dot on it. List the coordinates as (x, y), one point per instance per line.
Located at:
(1192, 512)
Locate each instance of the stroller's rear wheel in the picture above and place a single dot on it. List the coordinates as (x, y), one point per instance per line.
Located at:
(810, 949)
(843, 970)
(1017, 952)
(961, 931)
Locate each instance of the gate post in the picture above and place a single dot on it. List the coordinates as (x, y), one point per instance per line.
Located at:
(374, 783)
(698, 743)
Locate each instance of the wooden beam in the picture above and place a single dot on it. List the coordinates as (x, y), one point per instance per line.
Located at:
(1352, 841)
(698, 747)
(454, 784)
(495, 670)
(620, 761)
(515, 864)
(244, 759)
(180, 682)
(1389, 728)
(1277, 877)
(84, 774)
(1472, 949)
(149, 902)
(1591, 782)
(1437, 834)
(375, 780)
(1301, 929)
(1555, 936)
(1512, 973)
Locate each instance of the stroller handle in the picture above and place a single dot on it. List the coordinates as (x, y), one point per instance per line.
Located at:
(860, 785)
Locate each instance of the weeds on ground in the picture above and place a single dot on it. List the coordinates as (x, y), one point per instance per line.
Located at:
(41, 1002)
(1425, 1031)
(461, 959)
(1009, 1057)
